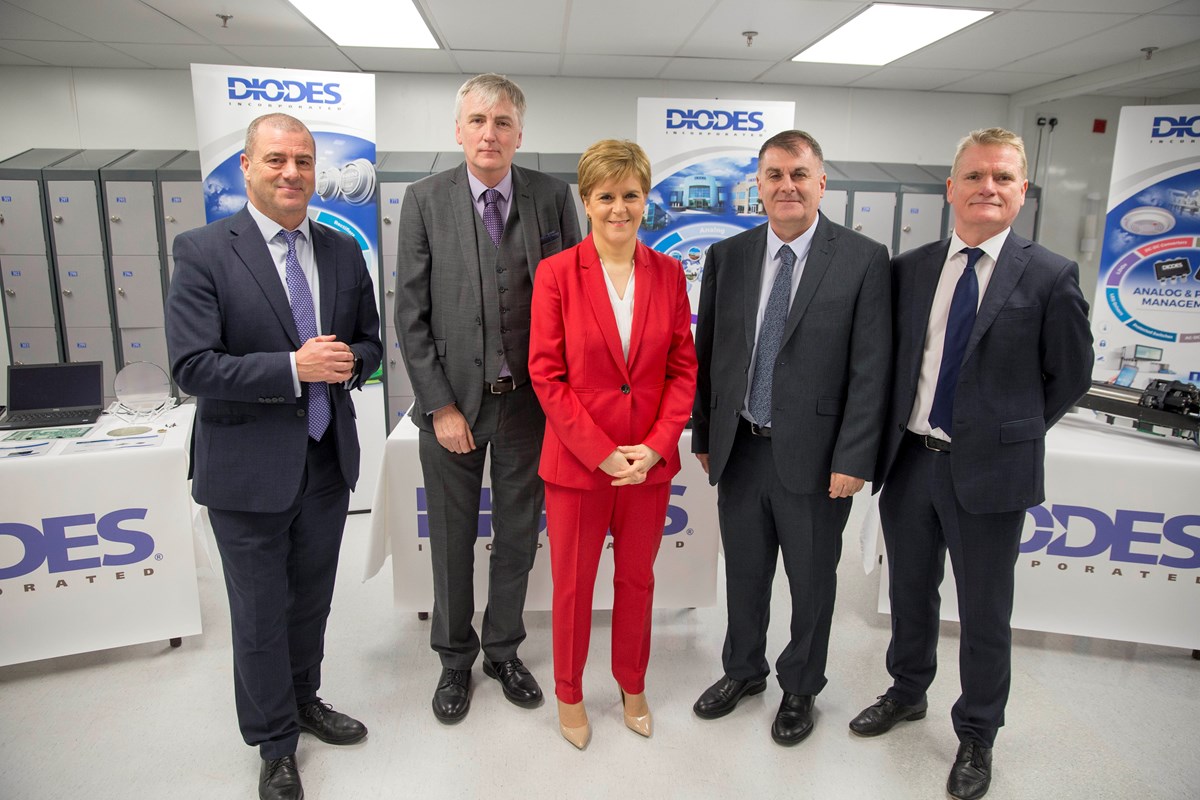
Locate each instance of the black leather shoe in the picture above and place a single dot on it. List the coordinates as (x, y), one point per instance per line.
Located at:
(519, 685)
(452, 699)
(883, 716)
(723, 696)
(279, 779)
(971, 774)
(794, 720)
(331, 727)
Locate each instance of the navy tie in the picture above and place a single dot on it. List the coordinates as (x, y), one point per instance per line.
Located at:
(319, 413)
(959, 322)
(770, 337)
(491, 215)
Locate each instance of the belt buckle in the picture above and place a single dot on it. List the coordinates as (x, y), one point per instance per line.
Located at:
(941, 446)
(760, 430)
(502, 385)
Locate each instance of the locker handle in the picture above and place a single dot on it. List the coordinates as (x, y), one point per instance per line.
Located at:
(907, 229)
(58, 218)
(10, 293)
(114, 218)
(387, 220)
(120, 291)
(66, 292)
(858, 227)
(1, 219)
(170, 219)
(391, 292)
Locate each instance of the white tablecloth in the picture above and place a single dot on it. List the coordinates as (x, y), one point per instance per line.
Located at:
(685, 573)
(96, 548)
(1114, 552)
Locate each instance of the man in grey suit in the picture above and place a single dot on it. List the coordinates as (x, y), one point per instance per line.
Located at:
(470, 240)
(794, 347)
(992, 348)
(271, 319)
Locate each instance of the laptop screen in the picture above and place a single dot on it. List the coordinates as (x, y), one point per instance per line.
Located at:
(38, 386)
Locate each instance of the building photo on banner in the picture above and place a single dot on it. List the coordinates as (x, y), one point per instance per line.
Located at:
(151, 645)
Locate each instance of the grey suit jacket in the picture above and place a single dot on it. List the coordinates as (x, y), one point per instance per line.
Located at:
(1028, 359)
(832, 372)
(439, 295)
(230, 332)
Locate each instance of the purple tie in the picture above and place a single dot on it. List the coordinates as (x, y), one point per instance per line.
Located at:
(319, 413)
(491, 215)
(959, 321)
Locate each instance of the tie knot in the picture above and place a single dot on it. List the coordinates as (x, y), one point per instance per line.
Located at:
(290, 237)
(973, 255)
(787, 256)
(491, 196)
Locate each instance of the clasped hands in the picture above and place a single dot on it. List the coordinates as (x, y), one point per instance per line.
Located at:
(628, 464)
(323, 359)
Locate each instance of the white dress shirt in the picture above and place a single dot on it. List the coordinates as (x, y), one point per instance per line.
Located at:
(935, 333)
(622, 308)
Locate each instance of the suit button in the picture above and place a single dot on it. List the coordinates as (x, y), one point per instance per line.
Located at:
(478, 362)
(300, 412)
(478, 321)
(625, 388)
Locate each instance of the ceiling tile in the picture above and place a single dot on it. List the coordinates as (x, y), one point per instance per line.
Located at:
(486, 24)
(633, 27)
(11, 58)
(583, 66)
(1115, 46)
(997, 82)
(1121, 6)
(112, 20)
(387, 59)
(816, 74)
(75, 54)
(785, 27)
(476, 61)
(254, 22)
(1189, 7)
(327, 57)
(714, 69)
(178, 56)
(17, 23)
(911, 79)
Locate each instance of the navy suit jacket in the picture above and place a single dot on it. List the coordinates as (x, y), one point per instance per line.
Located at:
(831, 376)
(1028, 360)
(230, 333)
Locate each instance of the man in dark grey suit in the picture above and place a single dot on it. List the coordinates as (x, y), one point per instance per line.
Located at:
(271, 319)
(470, 240)
(992, 347)
(794, 347)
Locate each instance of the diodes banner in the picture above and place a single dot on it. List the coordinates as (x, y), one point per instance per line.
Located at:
(339, 109)
(1146, 315)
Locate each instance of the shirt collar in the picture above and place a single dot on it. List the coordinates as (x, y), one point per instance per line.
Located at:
(800, 245)
(991, 247)
(504, 187)
(270, 228)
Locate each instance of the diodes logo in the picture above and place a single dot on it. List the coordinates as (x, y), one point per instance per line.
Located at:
(1175, 127)
(105, 544)
(1135, 537)
(277, 91)
(705, 119)
(676, 521)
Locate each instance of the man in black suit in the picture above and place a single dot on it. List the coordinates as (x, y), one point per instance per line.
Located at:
(992, 347)
(794, 348)
(271, 319)
(470, 240)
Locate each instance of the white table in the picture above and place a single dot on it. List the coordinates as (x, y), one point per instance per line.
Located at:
(96, 548)
(1114, 552)
(685, 573)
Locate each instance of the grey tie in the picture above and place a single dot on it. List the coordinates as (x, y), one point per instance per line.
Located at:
(770, 337)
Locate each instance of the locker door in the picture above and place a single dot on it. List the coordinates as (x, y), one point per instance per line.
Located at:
(94, 344)
(397, 375)
(145, 344)
(137, 291)
(33, 345)
(391, 197)
(75, 218)
(920, 219)
(21, 230)
(873, 214)
(84, 291)
(833, 205)
(1026, 220)
(27, 299)
(131, 218)
(183, 208)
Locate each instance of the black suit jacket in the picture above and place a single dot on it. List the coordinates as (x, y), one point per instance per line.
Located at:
(1028, 360)
(230, 333)
(833, 369)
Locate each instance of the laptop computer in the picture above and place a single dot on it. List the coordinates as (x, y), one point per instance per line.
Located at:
(49, 395)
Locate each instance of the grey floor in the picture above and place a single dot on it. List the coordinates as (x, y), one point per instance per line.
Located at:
(1087, 718)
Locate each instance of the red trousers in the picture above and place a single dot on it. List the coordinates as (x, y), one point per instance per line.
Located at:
(577, 521)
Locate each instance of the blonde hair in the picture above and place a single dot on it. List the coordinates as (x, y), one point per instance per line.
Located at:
(609, 159)
(992, 136)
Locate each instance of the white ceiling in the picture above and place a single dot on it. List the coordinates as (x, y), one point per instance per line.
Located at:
(1038, 49)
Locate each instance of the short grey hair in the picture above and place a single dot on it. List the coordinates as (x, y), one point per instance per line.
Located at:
(491, 88)
(992, 136)
(283, 122)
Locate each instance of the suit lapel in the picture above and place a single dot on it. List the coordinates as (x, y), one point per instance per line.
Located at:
(1014, 257)
(643, 290)
(464, 218)
(753, 256)
(326, 259)
(592, 274)
(530, 226)
(820, 256)
(246, 240)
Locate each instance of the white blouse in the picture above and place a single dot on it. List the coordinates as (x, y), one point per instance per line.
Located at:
(622, 308)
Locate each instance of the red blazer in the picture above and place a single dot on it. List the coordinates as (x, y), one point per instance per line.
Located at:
(593, 400)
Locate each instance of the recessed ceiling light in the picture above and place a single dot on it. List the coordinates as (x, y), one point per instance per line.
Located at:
(885, 32)
(369, 23)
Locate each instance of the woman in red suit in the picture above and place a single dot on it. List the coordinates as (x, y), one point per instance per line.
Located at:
(612, 361)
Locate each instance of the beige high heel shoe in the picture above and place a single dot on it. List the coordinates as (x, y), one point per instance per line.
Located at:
(579, 735)
(640, 725)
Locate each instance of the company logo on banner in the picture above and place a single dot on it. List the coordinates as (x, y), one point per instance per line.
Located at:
(703, 159)
(54, 553)
(1146, 315)
(1116, 543)
(339, 109)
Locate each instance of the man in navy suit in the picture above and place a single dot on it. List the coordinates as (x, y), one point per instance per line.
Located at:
(271, 319)
(992, 348)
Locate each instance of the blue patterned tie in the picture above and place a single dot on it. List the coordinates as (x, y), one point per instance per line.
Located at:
(319, 413)
(491, 215)
(959, 322)
(770, 337)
